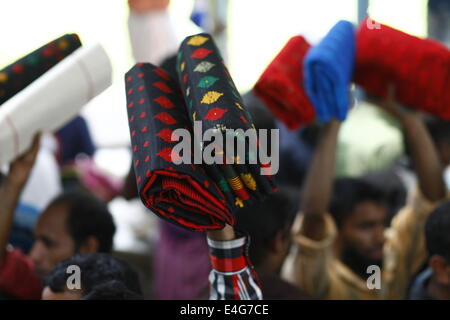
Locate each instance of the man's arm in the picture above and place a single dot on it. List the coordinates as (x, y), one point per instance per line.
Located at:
(423, 152)
(319, 183)
(233, 276)
(10, 191)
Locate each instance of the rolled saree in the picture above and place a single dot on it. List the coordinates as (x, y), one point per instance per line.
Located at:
(53, 99)
(418, 68)
(281, 85)
(328, 72)
(183, 194)
(24, 71)
(212, 98)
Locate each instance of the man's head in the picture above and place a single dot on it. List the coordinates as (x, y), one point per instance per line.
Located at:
(360, 214)
(437, 235)
(73, 223)
(102, 277)
(268, 224)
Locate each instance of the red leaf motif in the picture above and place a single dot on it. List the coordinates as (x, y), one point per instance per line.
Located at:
(147, 158)
(185, 78)
(206, 184)
(139, 179)
(163, 87)
(135, 148)
(200, 53)
(133, 133)
(141, 88)
(243, 119)
(130, 91)
(140, 75)
(215, 113)
(144, 129)
(171, 210)
(131, 118)
(141, 101)
(136, 163)
(166, 118)
(166, 154)
(165, 134)
(161, 73)
(146, 144)
(143, 114)
(129, 78)
(131, 104)
(147, 174)
(164, 102)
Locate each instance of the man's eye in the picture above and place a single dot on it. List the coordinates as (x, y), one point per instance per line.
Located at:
(366, 225)
(48, 243)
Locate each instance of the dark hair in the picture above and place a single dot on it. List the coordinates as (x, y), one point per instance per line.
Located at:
(87, 217)
(265, 219)
(348, 193)
(437, 231)
(102, 277)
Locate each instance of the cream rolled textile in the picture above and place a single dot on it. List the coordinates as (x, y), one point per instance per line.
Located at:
(53, 99)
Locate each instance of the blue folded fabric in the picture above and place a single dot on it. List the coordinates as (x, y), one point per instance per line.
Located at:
(328, 72)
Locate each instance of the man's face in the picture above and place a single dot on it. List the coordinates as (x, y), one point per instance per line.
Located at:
(362, 233)
(53, 243)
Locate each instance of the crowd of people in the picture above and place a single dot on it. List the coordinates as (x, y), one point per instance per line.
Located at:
(324, 234)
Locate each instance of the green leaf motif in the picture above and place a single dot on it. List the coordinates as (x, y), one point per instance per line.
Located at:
(207, 82)
(204, 66)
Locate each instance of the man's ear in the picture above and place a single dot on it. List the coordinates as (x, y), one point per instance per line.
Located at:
(440, 269)
(90, 245)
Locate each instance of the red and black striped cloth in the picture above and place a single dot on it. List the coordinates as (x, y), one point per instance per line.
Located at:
(195, 196)
(24, 71)
(233, 276)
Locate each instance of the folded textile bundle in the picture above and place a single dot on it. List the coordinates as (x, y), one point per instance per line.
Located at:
(195, 195)
(281, 85)
(418, 68)
(328, 72)
(53, 99)
(213, 99)
(181, 193)
(24, 71)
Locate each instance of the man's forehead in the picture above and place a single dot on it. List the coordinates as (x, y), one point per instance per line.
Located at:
(53, 220)
(369, 211)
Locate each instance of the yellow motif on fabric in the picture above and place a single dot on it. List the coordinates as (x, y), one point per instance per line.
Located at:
(249, 181)
(239, 202)
(183, 65)
(63, 44)
(239, 106)
(235, 183)
(194, 115)
(3, 77)
(211, 97)
(197, 40)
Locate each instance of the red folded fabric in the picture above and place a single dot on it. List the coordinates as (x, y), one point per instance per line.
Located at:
(419, 68)
(281, 85)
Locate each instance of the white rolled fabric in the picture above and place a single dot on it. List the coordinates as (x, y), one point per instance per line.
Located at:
(152, 36)
(52, 100)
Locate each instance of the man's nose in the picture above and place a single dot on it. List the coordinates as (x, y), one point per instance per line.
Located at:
(37, 252)
(380, 235)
